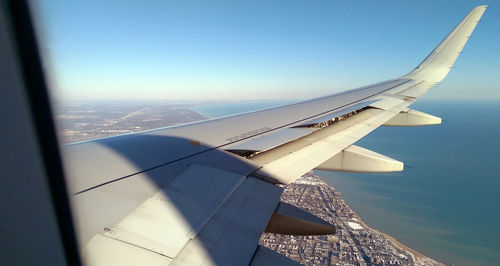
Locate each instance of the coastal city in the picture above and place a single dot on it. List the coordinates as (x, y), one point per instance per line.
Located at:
(354, 243)
(84, 120)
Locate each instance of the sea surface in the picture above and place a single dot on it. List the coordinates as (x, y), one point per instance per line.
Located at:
(446, 203)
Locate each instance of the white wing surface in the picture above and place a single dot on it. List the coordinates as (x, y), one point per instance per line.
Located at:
(202, 193)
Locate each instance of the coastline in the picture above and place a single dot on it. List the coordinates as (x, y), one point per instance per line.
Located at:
(418, 258)
(354, 243)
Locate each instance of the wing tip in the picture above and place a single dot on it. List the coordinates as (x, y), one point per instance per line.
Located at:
(439, 62)
(480, 8)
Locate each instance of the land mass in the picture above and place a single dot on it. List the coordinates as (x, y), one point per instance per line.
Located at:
(85, 120)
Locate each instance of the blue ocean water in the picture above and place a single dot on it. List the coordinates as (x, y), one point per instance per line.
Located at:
(446, 203)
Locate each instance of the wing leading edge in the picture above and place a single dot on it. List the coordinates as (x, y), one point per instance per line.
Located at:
(203, 193)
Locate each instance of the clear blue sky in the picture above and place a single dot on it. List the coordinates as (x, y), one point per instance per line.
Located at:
(257, 49)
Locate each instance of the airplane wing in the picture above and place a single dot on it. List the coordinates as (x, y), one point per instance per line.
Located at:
(203, 193)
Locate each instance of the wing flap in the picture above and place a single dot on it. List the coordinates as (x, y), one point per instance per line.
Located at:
(192, 220)
(103, 250)
(231, 236)
(290, 161)
(145, 226)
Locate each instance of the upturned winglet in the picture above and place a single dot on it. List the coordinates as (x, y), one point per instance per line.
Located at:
(438, 63)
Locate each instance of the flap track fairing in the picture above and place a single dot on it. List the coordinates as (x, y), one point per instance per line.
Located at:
(357, 159)
(412, 118)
